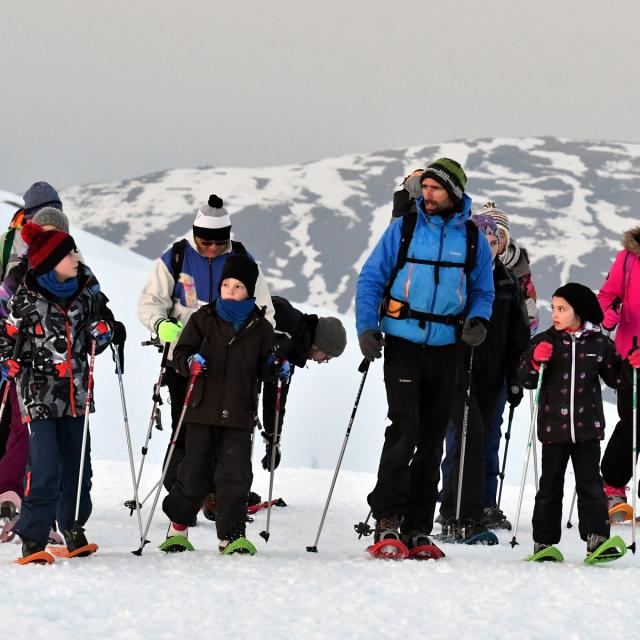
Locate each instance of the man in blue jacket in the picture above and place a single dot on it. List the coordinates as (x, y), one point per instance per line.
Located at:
(419, 306)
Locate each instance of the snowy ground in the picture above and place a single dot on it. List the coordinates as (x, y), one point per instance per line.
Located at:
(285, 592)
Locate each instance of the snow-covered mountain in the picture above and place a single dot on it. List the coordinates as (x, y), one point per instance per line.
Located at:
(312, 225)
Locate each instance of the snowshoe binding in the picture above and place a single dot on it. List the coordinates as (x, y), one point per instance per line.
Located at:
(176, 544)
(386, 542)
(545, 553)
(235, 542)
(10, 504)
(34, 553)
(600, 550)
(278, 502)
(620, 512)
(420, 546)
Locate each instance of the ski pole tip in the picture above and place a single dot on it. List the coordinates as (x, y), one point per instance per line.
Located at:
(569, 524)
(312, 549)
(265, 535)
(632, 547)
(513, 542)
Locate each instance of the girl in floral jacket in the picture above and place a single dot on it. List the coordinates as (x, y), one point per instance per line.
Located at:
(576, 354)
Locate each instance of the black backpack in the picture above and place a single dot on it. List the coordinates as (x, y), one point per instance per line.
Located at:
(400, 309)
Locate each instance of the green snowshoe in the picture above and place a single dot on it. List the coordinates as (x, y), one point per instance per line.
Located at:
(239, 545)
(176, 544)
(604, 550)
(545, 553)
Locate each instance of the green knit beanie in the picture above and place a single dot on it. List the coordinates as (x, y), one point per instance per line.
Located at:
(450, 175)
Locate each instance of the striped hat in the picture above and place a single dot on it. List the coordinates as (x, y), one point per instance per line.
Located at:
(501, 218)
(212, 221)
(450, 175)
(46, 248)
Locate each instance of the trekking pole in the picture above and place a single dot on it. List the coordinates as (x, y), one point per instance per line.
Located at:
(534, 446)
(532, 435)
(172, 446)
(634, 454)
(17, 348)
(85, 431)
(125, 417)
(573, 503)
(507, 437)
(274, 439)
(154, 419)
(463, 443)
(363, 369)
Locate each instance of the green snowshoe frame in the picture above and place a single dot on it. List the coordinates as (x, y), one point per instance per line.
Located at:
(550, 554)
(176, 544)
(616, 543)
(241, 545)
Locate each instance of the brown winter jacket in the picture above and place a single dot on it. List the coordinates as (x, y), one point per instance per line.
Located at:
(570, 408)
(227, 393)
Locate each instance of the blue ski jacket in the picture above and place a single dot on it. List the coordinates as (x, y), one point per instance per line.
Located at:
(434, 238)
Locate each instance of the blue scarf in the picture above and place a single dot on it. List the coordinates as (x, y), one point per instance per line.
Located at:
(235, 311)
(59, 289)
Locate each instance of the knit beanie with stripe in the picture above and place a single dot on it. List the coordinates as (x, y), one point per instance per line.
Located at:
(450, 175)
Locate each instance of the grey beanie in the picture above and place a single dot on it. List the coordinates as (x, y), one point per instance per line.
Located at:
(40, 194)
(49, 215)
(331, 338)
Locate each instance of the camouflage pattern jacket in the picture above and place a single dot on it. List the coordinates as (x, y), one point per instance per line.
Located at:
(54, 348)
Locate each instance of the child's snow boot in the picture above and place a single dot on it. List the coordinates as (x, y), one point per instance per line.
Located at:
(77, 543)
(386, 540)
(419, 544)
(494, 518)
(619, 509)
(603, 549)
(177, 539)
(235, 542)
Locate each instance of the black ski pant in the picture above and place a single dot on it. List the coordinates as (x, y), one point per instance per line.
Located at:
(593, 516)
(269, 405)
(617, 468)
(482, 407)
(420, 381)
(177, 386)
(228, 451)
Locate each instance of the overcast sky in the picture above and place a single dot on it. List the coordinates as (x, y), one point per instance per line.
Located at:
(102, 91)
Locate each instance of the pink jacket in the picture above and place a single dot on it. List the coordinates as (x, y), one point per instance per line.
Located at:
(623, 282)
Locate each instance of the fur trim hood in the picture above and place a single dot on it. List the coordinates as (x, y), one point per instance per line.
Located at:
(631, 241)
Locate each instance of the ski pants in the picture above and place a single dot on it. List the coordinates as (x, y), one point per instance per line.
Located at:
(51, 482)
(419, 380)
(479, 420)
(13, 464)
(617, 468)
(177, 386)
(593, 516)
(228, 451)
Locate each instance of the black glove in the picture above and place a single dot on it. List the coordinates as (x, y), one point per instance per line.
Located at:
(266, 461)
(474, 331)
(371, 343)
(514, 394)
(119, 338)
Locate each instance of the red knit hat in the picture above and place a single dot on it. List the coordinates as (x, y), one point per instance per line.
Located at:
(46, 248)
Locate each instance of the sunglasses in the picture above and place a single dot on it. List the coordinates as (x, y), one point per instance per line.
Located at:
(209, 243)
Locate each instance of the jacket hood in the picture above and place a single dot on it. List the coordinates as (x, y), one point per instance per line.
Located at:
(631, 241)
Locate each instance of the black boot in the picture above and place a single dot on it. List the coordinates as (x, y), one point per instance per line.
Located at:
(29, 547)
(387, 529)
(75, 539)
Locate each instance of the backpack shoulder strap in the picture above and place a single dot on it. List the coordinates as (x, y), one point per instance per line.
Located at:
(177, 258)
(409, 221)
(238, 248)
(472, 247)
(6, 250)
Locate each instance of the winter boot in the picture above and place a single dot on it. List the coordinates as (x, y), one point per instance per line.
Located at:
(209, 507)
(595, 540)
(29, 547)
(235, 542)
(387, 529)
(77, 544)
(177, 539)
(494, 518)
(619, 511)
(253, 499)
(473, 532)
(543, 552)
